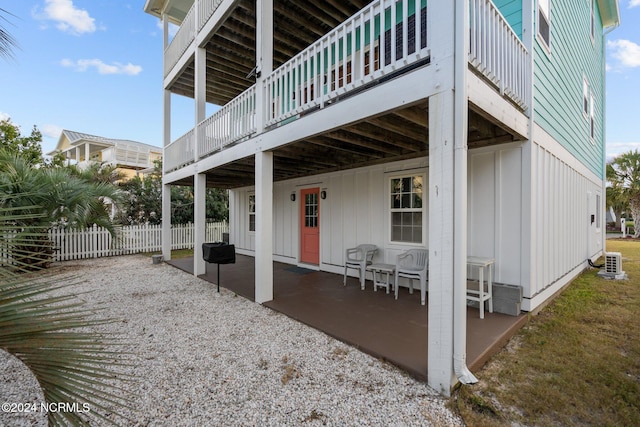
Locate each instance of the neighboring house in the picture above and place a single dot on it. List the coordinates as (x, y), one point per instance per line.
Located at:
(467, 127)
(129, 157)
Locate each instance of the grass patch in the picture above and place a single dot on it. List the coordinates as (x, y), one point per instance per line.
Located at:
(576, 363)
(175, 254)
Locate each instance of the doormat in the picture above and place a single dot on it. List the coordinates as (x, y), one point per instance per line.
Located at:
(299, 270)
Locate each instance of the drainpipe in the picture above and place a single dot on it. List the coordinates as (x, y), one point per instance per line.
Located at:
(461, 114)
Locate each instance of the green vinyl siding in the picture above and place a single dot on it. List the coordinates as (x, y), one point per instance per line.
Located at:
(512, 12)
(558, 81)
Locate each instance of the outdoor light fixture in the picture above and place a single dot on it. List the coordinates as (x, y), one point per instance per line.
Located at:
(323, 194)
(293, 197)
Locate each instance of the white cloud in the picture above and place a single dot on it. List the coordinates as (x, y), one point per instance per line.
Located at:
(4, 116)
(51, 131)
(626, 52)
(614, 149)
(68, 18)
(102, 68)
(634, 3)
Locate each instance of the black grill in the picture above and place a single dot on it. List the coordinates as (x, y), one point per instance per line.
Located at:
(219, 253)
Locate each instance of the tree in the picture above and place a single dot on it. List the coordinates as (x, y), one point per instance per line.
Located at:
(616, 199)
(143, 201)
(624, 179)
(28, 147)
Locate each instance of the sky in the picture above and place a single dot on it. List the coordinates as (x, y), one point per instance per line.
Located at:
(95, 66)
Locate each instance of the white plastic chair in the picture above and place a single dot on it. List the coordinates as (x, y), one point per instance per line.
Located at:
(413, 264)
(359, 258)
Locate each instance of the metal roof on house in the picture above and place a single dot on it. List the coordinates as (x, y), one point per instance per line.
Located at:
(76, 137)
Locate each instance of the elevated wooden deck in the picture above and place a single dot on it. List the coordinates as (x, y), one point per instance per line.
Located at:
(373, 322)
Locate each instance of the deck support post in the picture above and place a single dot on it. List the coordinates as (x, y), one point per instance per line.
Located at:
(264, 226)
(440, 372)
(448, 122)
(200, 97)
(166, 222)
(460, 206)
(166, 140)
(199, 226)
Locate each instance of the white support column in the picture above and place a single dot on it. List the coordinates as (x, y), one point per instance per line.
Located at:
(440, 372)
(166, 222)
(199, 226)
(529, 186)
(448, 111)
(460, 209)
(264, 56)
(87, 151)
(200, 179)
(78, 154)
(166, 140)
(264, 226)
(201, 96)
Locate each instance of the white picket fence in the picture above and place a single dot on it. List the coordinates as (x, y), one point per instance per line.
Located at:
(96, 242)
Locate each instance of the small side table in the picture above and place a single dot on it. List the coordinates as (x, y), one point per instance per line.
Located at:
(480, 295)
(380, 269)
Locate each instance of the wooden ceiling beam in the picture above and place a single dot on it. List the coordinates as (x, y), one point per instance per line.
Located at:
(218, 69)
(342, 135)
(477, 143)
(383, 136)
(299, 18)
(331, 144)
(417, 115)
(402, 127)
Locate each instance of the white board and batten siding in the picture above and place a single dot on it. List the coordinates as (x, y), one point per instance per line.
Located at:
(354, 212)
(494, 209)
(357, 211)
(563, 196)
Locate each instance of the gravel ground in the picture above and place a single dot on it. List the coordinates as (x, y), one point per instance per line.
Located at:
(203, 358)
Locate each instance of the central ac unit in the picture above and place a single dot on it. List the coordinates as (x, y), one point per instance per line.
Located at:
(613, 263)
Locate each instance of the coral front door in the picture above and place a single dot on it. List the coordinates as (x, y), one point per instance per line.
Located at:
(310, 226)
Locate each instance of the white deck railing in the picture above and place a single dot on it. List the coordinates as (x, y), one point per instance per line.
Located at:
(233, 122)
(205, 10)
(496, 51)
(181, 41)
(362, 49)
(180, 152)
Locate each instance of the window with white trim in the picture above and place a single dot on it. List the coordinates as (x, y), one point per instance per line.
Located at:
(252, 212)
(407, 209)
(544, 22)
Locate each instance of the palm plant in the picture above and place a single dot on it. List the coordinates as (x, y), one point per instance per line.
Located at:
(7, 42)
(616, 198)
(625, 177)
(63, 199)
(54, 335)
